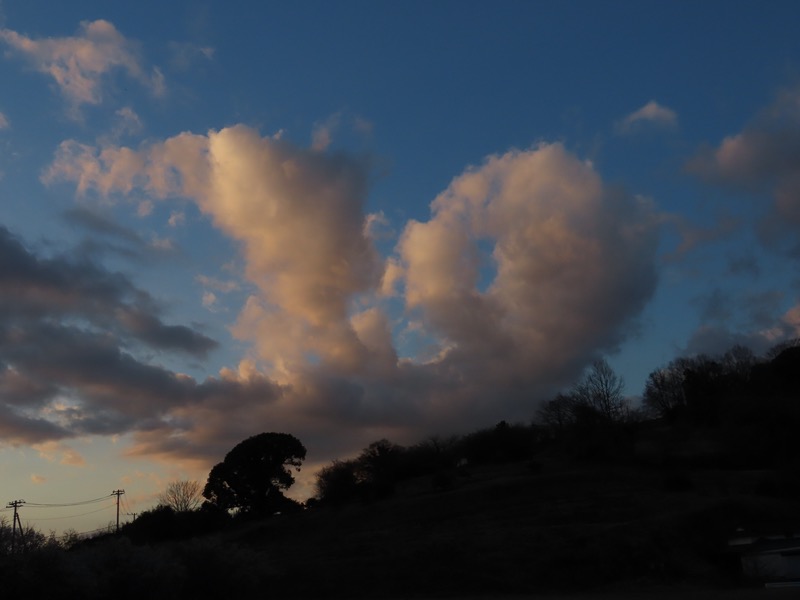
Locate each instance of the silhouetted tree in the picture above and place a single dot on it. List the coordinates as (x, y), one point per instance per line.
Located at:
(254, 474)
(27, 538)
(778, 349)
(337, 483)
(738, 363)
(429, 456)
(181, 496)
(558, 414)
(377, 466)
(501, 443)
(664, 391)
(703, 387)
(601, 389)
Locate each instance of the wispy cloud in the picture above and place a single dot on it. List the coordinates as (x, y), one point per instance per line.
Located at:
(78, 64)
(764, 156)
(186, 54)
(104, 236)
(3, 121)
(58, 451)
(128, 122)
(322, 134)
(651, 114)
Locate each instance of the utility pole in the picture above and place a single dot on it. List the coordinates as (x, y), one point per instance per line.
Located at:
(117, 493)
(132, 515)
(15, 505)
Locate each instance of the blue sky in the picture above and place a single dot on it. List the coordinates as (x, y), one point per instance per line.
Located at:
(358, 220)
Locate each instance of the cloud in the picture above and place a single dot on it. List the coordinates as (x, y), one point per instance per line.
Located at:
(37, 479)
(298, 214)
(3, 121)
(79, 64)
(107, 236)
(128, 122)
(218, 284)
(763, 157)
(651, 114)
(64, 454)
(176, 218)
(186, 54)
(210, 301)
(322, 134)
(35, 290)
(754, 320)
(69, 331)
(573, 262)
(693, 236)
(528, 268)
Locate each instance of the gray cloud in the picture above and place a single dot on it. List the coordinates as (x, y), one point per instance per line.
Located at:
(107, 237)
(36, 287)
(764, 158)
(66, 368)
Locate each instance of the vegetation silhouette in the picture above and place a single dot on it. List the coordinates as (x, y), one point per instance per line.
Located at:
(593, 494)
(181, 496)
(254, 475)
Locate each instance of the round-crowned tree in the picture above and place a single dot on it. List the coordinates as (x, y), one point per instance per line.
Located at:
(254, 475)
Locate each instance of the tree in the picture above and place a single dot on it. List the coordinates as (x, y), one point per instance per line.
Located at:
(664, 394)
(601, 389)
(181, 496)
(337, 483)
(255, 473)
(558, 413)
(377, 466)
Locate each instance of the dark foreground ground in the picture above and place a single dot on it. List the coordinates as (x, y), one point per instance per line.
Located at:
(516, 531)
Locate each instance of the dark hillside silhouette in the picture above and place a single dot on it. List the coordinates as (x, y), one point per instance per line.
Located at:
(593, 494)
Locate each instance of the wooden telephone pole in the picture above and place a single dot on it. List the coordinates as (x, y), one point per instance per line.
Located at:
(15, 505)
(117, 493)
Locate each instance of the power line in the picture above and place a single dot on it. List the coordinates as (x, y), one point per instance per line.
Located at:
(91, 512)
(83, 534)
(66, 504)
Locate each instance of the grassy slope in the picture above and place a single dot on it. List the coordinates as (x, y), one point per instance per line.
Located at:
(506, 530)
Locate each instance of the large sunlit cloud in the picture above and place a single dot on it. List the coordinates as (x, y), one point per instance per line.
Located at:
(651, 114)
(529, 268)
(298, 214)
(79, 64)
(763, 158)
(573, 261)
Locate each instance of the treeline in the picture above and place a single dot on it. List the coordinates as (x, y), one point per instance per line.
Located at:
(735, 410)
(748, 405)
(376, 471)
(592, 419)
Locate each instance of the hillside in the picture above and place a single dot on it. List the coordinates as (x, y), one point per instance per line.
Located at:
(521, 528)
(509, 530)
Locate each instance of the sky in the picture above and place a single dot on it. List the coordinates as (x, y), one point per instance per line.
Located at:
(360, 220)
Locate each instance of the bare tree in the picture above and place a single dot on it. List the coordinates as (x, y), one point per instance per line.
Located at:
(601, 389)
(558, 413)
(181, 496)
